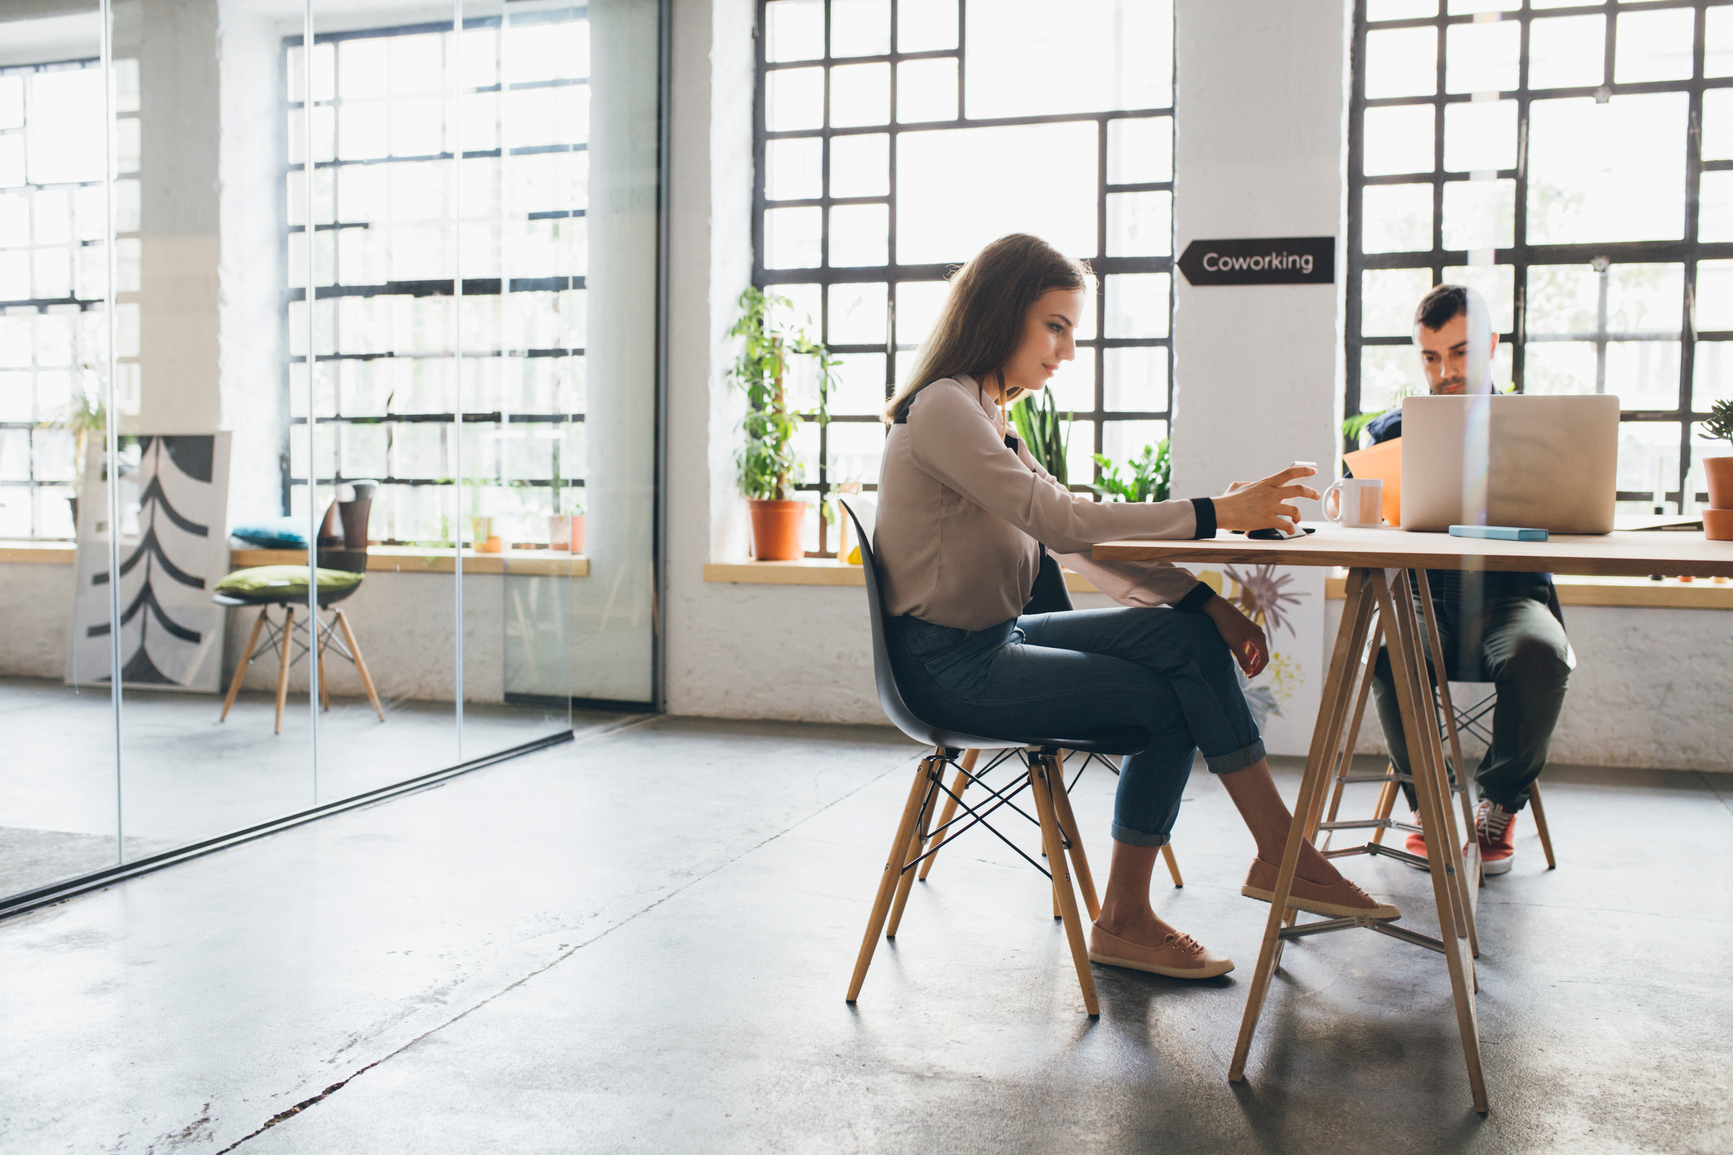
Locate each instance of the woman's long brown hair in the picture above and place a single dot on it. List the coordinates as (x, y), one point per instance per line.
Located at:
(981, 324)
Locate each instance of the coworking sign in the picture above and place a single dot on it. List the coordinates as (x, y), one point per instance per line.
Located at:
(1265, 261)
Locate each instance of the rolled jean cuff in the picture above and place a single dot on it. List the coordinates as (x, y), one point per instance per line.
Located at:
(1132, 837)
(1236, 759)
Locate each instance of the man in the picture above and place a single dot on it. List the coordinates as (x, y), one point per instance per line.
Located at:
(1503, 628)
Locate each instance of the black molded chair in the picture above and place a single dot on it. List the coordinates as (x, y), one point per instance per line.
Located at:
(1044, 779)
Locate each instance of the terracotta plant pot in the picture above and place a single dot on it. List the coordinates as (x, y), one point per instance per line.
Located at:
(566, 531)
(776, 527)
(1719, 471)
(1718, 524)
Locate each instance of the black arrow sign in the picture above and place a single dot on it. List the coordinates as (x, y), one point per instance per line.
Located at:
(1261, 261)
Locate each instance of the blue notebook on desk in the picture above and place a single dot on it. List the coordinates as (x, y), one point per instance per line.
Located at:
(1498, 532)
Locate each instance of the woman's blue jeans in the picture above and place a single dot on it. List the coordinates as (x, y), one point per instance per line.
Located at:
(1074, 673)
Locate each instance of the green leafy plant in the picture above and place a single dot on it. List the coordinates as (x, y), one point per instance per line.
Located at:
(85, 418)
(1151, 471)
(1043, 430)
(769, 466)
(1356, 425)
(1719, 427)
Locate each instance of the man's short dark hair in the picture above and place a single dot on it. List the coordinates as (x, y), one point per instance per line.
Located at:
(1441, 306)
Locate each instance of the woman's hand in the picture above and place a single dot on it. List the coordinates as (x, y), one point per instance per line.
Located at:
(1265, 504)
(1243, 636)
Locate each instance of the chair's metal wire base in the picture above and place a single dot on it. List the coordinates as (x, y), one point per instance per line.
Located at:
(291, 642)
(918, 839)
(273, 639)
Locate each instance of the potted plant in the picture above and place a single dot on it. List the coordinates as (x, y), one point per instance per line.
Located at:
(86, 419)
(1718, 518)
(566, 522)
(769, 467)
(1044, 432)
(1150, 471)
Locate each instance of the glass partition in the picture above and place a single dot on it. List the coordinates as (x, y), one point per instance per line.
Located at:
(356, 338)
(58, 790)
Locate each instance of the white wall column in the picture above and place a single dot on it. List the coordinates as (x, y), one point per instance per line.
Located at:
(1259, 151)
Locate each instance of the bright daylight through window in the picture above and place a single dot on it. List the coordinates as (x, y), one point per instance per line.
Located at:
(54, 278)
(388, 111)
(894, 140)
(1574, 162)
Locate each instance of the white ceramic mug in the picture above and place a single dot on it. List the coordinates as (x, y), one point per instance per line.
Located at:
(1359, 502)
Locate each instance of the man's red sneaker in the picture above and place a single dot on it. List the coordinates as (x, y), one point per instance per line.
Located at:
(1497, 836)
(1416, 844)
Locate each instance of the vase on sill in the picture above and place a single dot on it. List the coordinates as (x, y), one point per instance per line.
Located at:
(1718, 518)
(776, 527)
(482, 537)
(566, 531)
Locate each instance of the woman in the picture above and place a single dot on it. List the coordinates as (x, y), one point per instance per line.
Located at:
(964, 513)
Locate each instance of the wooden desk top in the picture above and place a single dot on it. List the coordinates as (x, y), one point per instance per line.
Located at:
(1618, 554)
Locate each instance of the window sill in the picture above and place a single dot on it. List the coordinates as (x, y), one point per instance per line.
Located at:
(380, 559)
(821, 571)
(1670, 593)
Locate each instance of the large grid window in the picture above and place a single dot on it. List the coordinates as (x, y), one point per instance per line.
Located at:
(895, 139)
(395, 214)
(54, 275)
(1574, 162)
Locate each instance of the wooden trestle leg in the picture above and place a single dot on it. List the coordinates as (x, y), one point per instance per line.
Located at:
(1443, 851)
(1466, 844)
(1332, 707)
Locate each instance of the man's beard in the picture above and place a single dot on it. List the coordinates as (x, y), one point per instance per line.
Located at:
(1451, 385)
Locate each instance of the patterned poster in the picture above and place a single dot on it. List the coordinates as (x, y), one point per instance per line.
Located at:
(1288, 602)
(174, 548)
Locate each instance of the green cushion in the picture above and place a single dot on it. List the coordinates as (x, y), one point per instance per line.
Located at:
(285, 580)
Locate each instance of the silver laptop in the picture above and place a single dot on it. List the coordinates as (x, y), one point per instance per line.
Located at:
(1536, 462)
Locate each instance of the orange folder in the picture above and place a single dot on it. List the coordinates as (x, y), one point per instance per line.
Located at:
(1383, 461)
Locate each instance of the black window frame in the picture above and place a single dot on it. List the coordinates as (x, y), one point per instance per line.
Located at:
(293, 234)
(72, 302)
(1687, 251)
(893, 273)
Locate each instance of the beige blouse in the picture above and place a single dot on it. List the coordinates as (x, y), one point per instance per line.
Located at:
(960, 514)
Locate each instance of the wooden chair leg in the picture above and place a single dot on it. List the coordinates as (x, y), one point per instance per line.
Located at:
(1043, 772)
(893, 873)
(1079, 859)
(360, 662)
(246, 661)
(1386, 805)
(285, 649)
(1540, 825)
(324, 684)
(1172, 864)
(945, 816)
(917, 840)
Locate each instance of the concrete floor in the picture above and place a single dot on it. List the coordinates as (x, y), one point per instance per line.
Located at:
(186, 776)
(641, 942)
